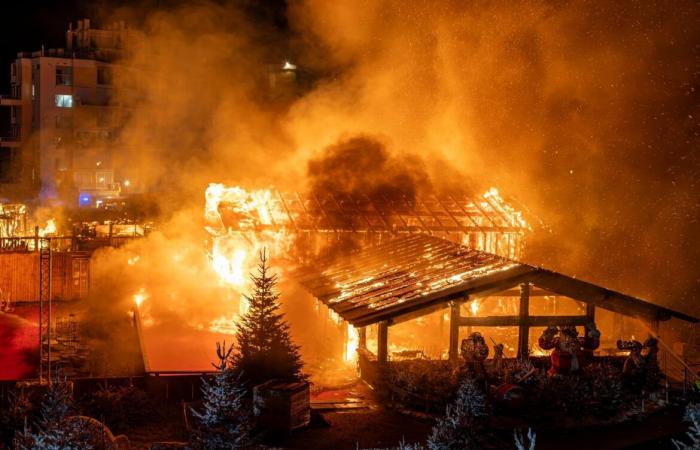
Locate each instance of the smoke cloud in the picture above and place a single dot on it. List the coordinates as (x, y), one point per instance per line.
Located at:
(362, 166)
(587, 114)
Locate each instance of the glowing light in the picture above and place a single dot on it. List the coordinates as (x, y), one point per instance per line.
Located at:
(351, 344)
(289, 66)
(49, 229)
(127, 183)
(133, 260)
(140, 297)
(474, 307)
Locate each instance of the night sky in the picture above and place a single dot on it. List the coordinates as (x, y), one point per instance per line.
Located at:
(644, 189)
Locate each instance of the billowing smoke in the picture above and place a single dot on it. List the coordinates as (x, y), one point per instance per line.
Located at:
(587, 115)
(361, 166)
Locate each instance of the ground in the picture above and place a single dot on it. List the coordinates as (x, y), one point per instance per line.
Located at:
(353, 416)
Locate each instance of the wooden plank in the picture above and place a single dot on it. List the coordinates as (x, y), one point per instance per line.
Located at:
(454, 331)
(524, 328)
(382, 342)
(590, 311)
(514, 321)
(604, 298)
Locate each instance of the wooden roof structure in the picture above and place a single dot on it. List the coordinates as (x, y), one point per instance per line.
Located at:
(416, 273)
(340, 212)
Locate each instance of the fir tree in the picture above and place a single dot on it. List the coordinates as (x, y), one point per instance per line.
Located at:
(692, 414)
(265, 348)
(223, 422)
(521, 443)
(463, 420)
(55, 431)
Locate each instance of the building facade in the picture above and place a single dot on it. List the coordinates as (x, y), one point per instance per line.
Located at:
(65, 120)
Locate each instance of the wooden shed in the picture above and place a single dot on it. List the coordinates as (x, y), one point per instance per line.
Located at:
(417, 274)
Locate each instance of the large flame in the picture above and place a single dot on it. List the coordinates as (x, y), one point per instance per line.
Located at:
(49, 229)
(236, 242)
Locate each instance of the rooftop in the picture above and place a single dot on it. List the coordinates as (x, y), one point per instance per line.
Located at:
(416, 272)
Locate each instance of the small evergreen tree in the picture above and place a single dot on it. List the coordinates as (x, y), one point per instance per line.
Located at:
(463, 420)
(223, 421)
(692, 414)
(54, 431)
(521, 443)
(265, 348)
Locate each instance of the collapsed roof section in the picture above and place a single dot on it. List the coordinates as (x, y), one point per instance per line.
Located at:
(486, 222)
(416, 273)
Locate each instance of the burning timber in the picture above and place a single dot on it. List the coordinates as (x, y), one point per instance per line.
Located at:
(486, 222)
(415, 275)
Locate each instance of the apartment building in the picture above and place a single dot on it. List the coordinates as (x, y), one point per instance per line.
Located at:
(65, 120)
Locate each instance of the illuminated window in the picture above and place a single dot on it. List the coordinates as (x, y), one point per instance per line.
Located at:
(64, 101)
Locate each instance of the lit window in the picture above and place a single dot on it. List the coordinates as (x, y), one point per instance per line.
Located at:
(64, 101)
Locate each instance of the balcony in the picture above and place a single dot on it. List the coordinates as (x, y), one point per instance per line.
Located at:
(10, 142)
(7, 100)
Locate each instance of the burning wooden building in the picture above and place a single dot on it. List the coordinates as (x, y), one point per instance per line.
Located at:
(416, 275)
(431, 268)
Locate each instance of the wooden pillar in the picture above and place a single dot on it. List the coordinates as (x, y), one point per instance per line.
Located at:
(590, 311)
(454, 331)
(524, 331)
(382, 342)
(362, 338)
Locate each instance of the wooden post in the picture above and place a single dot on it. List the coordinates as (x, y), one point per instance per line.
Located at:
(454, 331)
(524, 326)
(382, 342)
(590, 311)
(362, 338)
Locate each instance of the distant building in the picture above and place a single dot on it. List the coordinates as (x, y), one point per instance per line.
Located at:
(64, 122)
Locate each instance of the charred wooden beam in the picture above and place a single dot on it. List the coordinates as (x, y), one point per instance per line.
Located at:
(590, 312)
(454, 330)
(524, 331)
(514, 321)
(534, 292)
(383, 342)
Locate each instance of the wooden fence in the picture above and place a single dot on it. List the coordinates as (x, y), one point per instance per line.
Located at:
(19, 276)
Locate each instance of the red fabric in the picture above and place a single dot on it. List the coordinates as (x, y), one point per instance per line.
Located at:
(562, 361)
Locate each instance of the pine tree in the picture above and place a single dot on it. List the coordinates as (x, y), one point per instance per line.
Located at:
(692, 414)
(521, 443)
(223, 421)
(463, 420)
(55, 431)
(265, 348)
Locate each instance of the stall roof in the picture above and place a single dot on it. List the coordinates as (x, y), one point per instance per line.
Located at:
(417, 272)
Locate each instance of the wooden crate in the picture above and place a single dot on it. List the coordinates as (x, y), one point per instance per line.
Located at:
(282, 406)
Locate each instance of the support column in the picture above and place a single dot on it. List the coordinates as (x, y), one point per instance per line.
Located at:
(454, 331)
(524, 331)
(382, 342)
(590, 311)
(362, 338)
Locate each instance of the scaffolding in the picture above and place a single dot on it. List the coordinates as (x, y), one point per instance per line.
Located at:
(45, 257)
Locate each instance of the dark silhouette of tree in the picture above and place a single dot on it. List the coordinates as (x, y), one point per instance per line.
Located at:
(265, 348)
